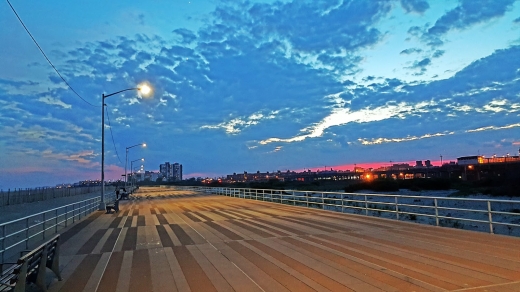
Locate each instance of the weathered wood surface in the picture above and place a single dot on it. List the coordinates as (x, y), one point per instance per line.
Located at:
(187, 241)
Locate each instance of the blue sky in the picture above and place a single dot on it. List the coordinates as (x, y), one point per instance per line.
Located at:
(255, 85)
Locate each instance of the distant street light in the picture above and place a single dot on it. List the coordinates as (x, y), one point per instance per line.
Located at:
(126, 158)
(132, 167)
(144, 89)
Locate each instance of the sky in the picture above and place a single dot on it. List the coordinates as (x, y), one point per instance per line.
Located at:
(254, 85)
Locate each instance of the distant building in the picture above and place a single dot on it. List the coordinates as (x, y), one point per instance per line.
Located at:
(164, 169)
(171, 172)
(480, 159)
(177, 172)
(467, 160)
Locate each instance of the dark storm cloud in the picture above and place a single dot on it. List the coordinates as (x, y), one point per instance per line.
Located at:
(418, 6)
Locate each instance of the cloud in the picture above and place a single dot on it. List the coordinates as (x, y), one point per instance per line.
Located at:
(17, 84)
(418, 6)
(140, 17)
(54, 101)
(468, 13)
(494, 128)
(375, 141)
(187, 35)
(344, 116)
(410, 51)
(421, 65)
(236, 125)
(516, 20)
(438, 54)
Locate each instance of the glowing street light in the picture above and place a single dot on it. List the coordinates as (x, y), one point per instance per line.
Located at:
(126, 158)
(145, 89)
(132, 167)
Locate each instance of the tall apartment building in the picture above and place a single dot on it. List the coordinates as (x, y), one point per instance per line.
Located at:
(164, 169)
(171, 172)
(177, 172)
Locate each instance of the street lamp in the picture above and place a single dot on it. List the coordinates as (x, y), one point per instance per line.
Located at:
(126, 158)
(132, 168)
(144, 89)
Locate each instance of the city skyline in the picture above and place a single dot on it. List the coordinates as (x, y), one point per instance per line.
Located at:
(255, 85)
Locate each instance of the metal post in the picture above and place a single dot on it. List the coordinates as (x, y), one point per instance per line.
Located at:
(27, 233)
(3, 242)
(396, 208)
(490, 217)
(436, 212)
(126, 163)
(43, 228)
(102, 205)
(366, 206)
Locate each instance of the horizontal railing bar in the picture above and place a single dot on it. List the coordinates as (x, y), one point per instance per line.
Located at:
(50, 210)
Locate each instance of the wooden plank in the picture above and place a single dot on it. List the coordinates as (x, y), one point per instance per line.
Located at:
(162, 277)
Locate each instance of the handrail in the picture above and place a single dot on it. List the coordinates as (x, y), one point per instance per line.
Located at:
(23, 231)
(439, 208)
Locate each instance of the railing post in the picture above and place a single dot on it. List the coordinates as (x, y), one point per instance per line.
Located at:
(366, 206)
(436, 212)
(490, 215)
(27, 233)
(3, 242)
(396, 208)
(43, 228)
(307, 197)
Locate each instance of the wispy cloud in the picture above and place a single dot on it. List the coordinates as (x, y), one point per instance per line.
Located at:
(493, 128)
(54, 101)
(236, 125)
(382, 140)
(344, 116)
(375, 141)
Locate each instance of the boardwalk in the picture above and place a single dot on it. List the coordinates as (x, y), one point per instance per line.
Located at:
(187, 241)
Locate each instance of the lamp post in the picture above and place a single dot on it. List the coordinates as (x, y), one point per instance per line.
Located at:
(126, 158)
(145, 89)
(132, 168)
(136, 170)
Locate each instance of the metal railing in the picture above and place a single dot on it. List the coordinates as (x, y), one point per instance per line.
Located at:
(20, 234)
(21, 196)
(493, 216)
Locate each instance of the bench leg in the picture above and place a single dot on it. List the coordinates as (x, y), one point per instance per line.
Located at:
(40, 276)
(55, 265)
(22, 277)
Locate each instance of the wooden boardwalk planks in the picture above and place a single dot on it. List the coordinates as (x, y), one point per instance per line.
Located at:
(186, 241)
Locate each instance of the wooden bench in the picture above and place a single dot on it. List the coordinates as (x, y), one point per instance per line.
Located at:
(31, 267)
(111, 207)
